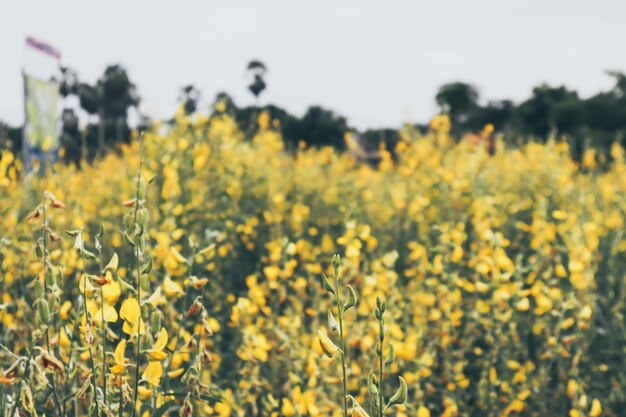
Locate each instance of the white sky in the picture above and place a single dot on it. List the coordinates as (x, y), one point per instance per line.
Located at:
(377, 62)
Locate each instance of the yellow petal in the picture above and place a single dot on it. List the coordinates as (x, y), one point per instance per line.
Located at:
(157, 355)
(119, 353)
(161, 341)
(129, 311)
(111, 291)
(172, 288)
(144, 392)
(423, 411)
(327, 345)
(175, 373)
(153, 372)
(117, 369)
(154, 299)
(109, 313)
(596, 408)
(176, 254)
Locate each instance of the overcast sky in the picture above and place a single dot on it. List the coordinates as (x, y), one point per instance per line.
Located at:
(379, 63)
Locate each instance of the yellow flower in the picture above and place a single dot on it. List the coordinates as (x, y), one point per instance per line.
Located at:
(175, 373)
(119, 359)
(144, 392)
(65, 310)
(171, 288)
(423, 411)
(177, 256)
(111, 291)
(130, 312)
(596, 408)
(572, 387)
(153, 372)
(523, 304)
(157, 352)
(287, 408)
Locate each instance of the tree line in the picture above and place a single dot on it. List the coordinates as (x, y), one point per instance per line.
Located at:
(595, 121)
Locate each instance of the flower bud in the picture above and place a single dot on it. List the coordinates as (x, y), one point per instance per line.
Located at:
(381, 305)
(50, 277)
(155, 321)
(39, 291)
(44, 311)
(144, 282)
(336, 261)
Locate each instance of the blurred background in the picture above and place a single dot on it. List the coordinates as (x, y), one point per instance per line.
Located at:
(530, 68)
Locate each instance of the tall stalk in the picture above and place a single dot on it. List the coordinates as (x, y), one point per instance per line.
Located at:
(374, 384)
(327, 345)
(138, 195)
(45, 239)
(104, 323)
(380, 311)
(342, 341)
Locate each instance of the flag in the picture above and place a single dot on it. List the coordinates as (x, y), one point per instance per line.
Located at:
(41, 138)
(43, 47)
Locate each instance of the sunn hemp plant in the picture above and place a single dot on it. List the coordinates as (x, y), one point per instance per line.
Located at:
(375, 384)
(69, 368)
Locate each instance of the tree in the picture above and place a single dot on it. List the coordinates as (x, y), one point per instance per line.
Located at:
(499, 113)
(458, 100)
(551, 109)
(68, 84)
(70, 136)
(318, 127)
(189, 97)
(109, 98)
(117, 95)
(257, 70)
(10, 138)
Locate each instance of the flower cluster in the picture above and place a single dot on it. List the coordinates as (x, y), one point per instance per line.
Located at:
(192, 287)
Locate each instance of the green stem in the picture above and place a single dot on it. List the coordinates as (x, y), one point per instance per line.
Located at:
(342, 346)
(381, 394)
(47, 333)
(104, 346)
(138, 280)
(93, 368)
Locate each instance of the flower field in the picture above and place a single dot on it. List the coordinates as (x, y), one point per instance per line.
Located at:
(503, 276)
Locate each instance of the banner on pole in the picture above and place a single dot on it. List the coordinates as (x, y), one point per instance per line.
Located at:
(43, 47)
(40, 125)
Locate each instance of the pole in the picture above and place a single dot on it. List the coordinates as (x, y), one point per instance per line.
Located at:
(25, 153)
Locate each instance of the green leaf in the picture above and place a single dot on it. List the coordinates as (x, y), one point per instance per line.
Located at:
(326, 285)
(351, 300)
(400, 396)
